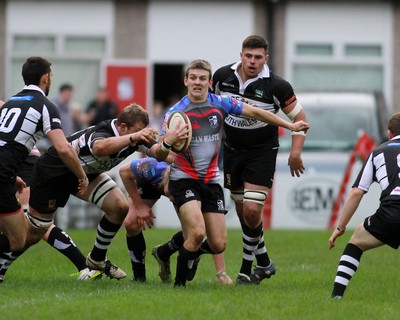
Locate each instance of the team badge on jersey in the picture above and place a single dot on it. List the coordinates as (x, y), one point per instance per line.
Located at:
(259, 93)
(195, 124)
(213, 121)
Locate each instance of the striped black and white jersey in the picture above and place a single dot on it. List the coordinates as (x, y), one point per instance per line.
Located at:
(383, 167)
(267, 91)
(27, 116)
(82, 141)
(24, 119)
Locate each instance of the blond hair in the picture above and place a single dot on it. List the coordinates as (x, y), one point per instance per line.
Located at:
(199, 64)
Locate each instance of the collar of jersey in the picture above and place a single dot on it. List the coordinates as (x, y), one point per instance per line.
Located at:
(263, 74)
(34, 87)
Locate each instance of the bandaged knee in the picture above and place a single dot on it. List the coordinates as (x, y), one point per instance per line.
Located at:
(257, 196)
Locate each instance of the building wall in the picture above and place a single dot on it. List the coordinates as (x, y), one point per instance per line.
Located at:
(395, 57)
(3, 49)
(131, 29)
(181, 31)
(360, 48)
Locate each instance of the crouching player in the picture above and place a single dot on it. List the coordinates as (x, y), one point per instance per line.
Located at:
(146, 180)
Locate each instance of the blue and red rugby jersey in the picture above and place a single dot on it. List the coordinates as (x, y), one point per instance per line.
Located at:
(200, 160)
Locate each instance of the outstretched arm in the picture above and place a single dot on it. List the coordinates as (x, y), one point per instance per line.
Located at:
(271, 118)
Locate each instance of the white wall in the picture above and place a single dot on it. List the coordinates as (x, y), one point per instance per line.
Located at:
(83, 17)
(180, 32)
(340, 24)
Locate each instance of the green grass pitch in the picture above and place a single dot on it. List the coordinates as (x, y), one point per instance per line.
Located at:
(39, 285)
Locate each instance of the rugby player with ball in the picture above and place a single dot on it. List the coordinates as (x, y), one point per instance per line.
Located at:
(194, 176)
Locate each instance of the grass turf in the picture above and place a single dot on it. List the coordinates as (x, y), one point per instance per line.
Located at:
(39, 285)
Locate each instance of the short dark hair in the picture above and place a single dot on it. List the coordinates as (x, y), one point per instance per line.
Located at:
(255, 42)
(394, 124)
(133, 114)
(66, 86)
(34, 68)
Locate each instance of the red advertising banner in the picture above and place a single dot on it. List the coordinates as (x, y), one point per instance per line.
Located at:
(127, 83)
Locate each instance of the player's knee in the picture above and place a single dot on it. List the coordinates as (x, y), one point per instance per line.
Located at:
(118, 210)
(196, 236)
(121, 209)
(252, 216)
(17, 243)
(253, 206)
(218, 246)
(131, 226)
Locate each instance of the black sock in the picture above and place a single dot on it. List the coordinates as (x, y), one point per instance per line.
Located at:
(106, 231)
(137, 252)
(348, 264)
(261, 251)
(4, 243)
(251, 238)
(205, 248)
(182, 266)
(168, 249)
(61, 241)
(8, 258)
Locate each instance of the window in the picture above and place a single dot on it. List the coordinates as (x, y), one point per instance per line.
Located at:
(38, 44)
(338, 67)
(337, 77)
(363, 50)
(314, 50)
(75, 59)
(85, 44)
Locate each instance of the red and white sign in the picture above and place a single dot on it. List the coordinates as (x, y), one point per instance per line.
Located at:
(127, 82)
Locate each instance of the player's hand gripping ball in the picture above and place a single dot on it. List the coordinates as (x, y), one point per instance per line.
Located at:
(172, 123)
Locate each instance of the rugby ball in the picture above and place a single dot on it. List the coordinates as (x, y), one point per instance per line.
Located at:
(175, 119)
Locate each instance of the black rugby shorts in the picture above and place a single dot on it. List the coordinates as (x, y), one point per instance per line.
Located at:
(211, 195)
(252, 166)
(383, 229)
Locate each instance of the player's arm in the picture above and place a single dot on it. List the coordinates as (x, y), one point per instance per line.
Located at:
(112, 145)
(144, 213)
(295, 113)
(69, 157)
(161, 150)
(271, 118)
(350, 206)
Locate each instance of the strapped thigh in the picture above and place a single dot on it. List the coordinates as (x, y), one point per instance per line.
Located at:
(257, 196)
(237, 196)
(100, 191)
(38, 223)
